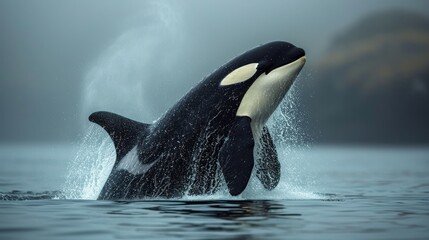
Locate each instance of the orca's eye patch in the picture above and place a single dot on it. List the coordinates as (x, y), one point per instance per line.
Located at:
(240, 74)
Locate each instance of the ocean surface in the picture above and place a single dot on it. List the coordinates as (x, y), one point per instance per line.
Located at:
(325, 193)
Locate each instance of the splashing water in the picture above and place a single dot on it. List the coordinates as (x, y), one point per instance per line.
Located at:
(91, 167)
(122, 77)
(286, 127)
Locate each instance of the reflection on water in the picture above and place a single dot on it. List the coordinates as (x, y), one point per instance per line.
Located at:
(227, 210)
(213, 219)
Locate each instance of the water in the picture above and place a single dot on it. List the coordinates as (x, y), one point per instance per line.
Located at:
(325, 192)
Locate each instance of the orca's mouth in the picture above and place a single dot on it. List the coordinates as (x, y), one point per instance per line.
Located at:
(292, 68)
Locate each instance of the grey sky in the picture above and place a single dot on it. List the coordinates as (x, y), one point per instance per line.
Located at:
(60, 60)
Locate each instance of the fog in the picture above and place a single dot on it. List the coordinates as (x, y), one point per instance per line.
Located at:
(62, 60)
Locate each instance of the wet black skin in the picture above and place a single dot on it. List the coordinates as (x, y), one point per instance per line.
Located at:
(185, 144)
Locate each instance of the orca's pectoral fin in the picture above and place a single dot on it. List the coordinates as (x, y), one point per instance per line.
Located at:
(268, 165)
(236, 156)
(123, 131)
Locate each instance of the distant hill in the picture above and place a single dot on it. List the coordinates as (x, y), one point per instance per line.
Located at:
(372, 84)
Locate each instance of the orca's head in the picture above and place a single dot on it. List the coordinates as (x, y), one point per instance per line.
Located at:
(265, 74)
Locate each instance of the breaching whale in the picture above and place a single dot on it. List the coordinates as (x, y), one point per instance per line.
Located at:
(212, 137)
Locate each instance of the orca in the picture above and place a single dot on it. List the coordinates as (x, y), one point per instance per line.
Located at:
(213, 138)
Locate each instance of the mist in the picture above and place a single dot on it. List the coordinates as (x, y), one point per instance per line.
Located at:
(62, 60)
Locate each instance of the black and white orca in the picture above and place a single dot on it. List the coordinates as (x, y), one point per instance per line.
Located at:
(215, 134)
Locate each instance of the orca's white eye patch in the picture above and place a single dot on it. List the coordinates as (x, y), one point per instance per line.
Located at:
(240, 74)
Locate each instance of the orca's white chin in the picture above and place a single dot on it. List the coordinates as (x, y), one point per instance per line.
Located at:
(266, 93)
